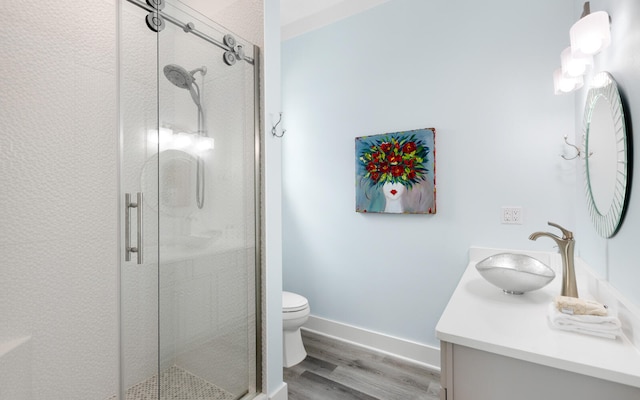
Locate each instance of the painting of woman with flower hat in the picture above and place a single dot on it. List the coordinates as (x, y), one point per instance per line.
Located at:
(395, 172)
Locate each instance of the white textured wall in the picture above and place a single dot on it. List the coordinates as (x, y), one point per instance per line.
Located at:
(58, 203)
(15, 369)
(243, 17)
(481, 74)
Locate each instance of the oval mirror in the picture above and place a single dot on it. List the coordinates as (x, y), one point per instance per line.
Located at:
(174, 171)
(606, 160)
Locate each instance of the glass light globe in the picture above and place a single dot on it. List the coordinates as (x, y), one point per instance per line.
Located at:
(591, 34)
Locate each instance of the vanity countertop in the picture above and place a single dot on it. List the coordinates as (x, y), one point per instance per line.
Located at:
(480, 316)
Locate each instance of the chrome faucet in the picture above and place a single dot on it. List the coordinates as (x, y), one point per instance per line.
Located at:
(566, 245)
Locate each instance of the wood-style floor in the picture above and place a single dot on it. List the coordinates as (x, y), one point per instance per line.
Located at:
(334, 370)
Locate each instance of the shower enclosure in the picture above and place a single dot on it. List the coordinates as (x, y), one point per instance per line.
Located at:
(189, 181)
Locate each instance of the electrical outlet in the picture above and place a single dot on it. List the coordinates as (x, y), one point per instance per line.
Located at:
(511, 215)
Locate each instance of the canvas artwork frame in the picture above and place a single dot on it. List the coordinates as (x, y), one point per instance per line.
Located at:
(396, 172)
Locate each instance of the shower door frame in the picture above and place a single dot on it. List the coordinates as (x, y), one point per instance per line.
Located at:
(258, 223)
(257, 129)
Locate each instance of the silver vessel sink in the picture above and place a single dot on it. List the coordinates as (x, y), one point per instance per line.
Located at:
(515, 273)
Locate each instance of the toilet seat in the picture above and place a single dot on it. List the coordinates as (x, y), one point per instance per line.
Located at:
(292, 302)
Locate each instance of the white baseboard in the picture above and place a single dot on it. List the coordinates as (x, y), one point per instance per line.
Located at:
(280, 394)
(411, 351)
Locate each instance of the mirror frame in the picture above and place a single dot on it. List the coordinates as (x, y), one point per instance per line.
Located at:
(608, 222)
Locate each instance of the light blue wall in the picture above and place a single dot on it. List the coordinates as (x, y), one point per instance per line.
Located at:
(481, 74)
(617, 258)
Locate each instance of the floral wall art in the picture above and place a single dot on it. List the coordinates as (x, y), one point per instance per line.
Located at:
(395, 172)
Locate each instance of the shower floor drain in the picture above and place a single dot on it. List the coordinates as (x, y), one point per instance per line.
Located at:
(176, 384)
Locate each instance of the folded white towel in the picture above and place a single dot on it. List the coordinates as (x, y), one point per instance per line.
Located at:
(606, 326)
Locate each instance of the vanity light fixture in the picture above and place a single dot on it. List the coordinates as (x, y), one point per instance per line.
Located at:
(591, 34)
(180, 141)
(600, 81)
(167, 139)
(565, 84)
(203, 144)
(574, 66)
(155, 136)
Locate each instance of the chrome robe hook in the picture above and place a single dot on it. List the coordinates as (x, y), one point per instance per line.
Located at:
(577, 149)
(274, 131)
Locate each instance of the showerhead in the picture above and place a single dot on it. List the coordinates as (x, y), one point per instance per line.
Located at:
(185, 79)
(178, 76)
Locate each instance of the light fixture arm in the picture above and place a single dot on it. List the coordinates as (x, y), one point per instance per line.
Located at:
(586, 9)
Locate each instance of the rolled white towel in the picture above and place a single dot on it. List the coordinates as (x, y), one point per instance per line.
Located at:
(601, 326)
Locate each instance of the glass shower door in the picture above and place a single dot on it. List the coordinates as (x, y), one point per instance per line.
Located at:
(189, 313)
(139, 153)
(206, 212)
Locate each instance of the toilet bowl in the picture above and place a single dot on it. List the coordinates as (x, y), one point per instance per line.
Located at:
(295, 312)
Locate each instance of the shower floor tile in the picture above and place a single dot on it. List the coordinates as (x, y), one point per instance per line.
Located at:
(176, 384)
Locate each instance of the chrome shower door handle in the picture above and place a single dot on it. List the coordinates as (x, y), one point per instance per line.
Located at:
(127, 229)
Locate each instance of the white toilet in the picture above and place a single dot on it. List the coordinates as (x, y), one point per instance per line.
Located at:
(295, 312)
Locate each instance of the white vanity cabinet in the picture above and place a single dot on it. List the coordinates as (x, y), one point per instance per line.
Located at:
(471, 374)
(496, 346)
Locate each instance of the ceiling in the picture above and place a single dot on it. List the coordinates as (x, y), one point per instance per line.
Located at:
(301, 16)
(294, 10)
